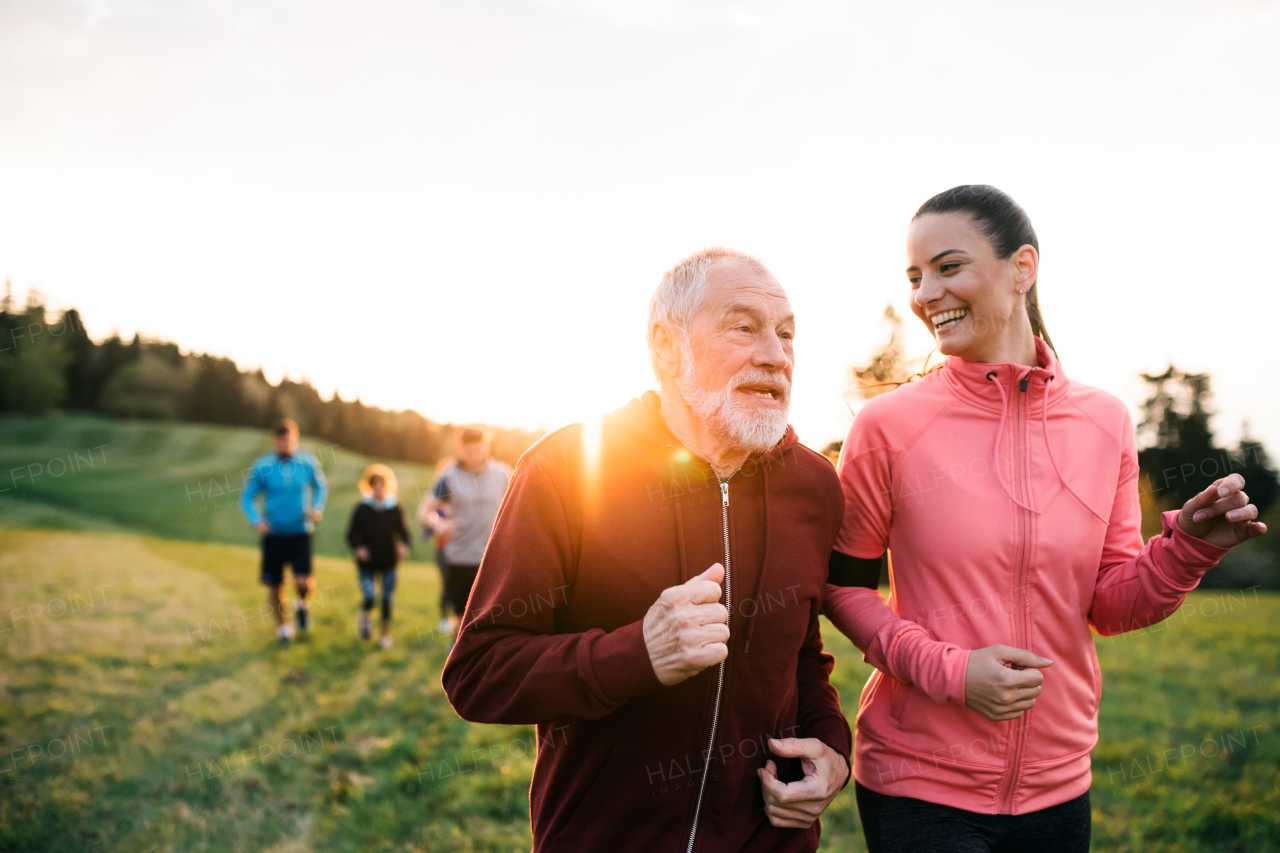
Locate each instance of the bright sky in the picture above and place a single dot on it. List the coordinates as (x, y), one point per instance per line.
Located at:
(462, 207)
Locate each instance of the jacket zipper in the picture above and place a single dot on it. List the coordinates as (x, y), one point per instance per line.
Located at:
(715, 710)
(1019, 456)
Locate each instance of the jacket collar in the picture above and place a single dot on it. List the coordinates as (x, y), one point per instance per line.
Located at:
(973, 381)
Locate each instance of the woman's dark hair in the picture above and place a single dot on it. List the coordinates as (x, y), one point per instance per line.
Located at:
(1005, 225)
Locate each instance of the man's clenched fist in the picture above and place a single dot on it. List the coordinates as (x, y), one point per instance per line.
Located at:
(685, 630)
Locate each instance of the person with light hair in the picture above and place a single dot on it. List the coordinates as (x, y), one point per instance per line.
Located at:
(461, 511)
(650, 595)
(378, 537)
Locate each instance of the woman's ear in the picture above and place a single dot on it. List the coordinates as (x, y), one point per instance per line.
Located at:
(1026, 267)
(666, 352)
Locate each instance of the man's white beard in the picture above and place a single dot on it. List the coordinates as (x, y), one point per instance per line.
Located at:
(749, 428)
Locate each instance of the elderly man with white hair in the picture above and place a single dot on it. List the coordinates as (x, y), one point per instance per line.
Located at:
(650, 596)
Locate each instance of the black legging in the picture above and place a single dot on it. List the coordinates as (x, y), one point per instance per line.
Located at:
(904, 825)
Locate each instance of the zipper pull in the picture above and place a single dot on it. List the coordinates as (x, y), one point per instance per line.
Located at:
(724, 494)
(1022, 386)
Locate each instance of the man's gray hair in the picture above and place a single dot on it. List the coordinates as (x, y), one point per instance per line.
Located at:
(683, 289)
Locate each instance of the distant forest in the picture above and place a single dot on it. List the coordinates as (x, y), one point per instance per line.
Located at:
(51, 363)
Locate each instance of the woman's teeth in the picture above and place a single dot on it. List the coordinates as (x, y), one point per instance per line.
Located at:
(947, 319)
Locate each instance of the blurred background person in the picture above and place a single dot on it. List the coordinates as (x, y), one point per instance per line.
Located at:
(378, 537)
(431, 515)
(285, 523)
(468, 494)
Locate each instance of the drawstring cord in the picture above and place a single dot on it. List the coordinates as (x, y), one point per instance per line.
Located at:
(1044, 420)
(1044, 425)
(995, 450)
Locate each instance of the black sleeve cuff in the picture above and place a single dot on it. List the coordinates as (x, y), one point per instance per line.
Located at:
(843, 570)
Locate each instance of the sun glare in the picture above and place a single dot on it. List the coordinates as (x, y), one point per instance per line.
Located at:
(591, 434)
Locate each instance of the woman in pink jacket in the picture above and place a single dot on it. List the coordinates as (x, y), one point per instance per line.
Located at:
(1007, 496)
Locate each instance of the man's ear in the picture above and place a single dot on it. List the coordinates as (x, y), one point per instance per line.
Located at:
(666, 351)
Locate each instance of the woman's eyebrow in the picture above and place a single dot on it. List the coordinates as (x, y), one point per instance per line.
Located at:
(937, 257)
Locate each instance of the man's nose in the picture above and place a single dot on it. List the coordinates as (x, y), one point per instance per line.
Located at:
(770, 352)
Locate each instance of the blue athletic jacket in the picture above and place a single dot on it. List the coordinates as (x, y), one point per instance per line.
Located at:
(284, 484)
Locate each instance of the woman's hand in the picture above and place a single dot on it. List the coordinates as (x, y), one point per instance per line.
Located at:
(1222, 515)
(362, 554)
(1002, 683)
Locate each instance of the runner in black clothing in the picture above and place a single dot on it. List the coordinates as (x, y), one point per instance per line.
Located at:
(379, 537)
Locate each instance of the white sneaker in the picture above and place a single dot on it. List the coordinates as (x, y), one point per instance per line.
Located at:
(444, 627)
(385, 642)
(285, 633)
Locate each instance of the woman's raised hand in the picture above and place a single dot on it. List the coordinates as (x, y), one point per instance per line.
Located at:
(1002, 683)
(1222, 515)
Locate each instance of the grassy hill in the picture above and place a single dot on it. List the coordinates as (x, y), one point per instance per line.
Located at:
(178, 481)
(145, 707)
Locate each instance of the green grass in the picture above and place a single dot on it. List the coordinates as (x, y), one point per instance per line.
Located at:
(145, 707)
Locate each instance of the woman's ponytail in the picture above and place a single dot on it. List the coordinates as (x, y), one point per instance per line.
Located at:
(1037, 321)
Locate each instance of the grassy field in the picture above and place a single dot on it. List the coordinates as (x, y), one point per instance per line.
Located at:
(144, 706)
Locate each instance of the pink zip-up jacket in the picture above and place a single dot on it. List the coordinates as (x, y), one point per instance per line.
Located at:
(1007, 497)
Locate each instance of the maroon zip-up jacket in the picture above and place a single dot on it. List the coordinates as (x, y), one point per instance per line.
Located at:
(588, 537)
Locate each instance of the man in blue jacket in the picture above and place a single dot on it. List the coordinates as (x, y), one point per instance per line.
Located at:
(285, 524)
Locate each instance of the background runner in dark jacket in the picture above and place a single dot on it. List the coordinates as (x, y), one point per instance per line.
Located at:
(379, 537)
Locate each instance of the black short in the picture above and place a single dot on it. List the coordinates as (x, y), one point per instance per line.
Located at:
(294, 549)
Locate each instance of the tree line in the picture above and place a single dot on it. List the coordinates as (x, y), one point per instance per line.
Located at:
(49, 363)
